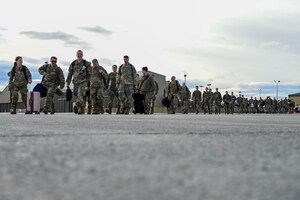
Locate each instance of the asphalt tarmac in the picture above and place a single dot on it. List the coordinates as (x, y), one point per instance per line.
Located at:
(149, 157)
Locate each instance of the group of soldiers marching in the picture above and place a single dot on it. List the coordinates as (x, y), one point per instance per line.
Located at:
(90, 82)
(210, 102)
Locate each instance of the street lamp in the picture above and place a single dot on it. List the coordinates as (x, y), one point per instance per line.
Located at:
(201, 86)
(276, 82)
(184, 79)
(259, 91)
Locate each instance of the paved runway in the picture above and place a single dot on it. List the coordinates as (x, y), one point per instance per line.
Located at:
(154, 157)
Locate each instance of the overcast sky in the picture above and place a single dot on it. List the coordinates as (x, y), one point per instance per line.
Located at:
(234, 45)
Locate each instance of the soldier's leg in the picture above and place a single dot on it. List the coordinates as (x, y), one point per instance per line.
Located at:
(49, 99)
(122, 99)
(89, 101)
(14, 99)
(100, 98)
(23, 92)
(75, 92)
(94, 100)
(112, 98)
(80, 98)
(152, 104)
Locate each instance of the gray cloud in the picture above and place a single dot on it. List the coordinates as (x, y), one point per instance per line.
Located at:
(3, 29)
(271, 30)
(68, 39)
(97, 29)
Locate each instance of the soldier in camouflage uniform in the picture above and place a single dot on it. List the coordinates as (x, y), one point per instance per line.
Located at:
(98, 77)
(113, 91)
(218, 100)
(147, 87)
(251, 105)
(239, 103)
(80, 70)
(185, 97)
(173, 93)
(206, 97)
(19, 77)
(154, 96)
(232, 103)
(126, 83)
(53, 77)
(268, 104)
(196, 97)
(226, 100)
(210, 101)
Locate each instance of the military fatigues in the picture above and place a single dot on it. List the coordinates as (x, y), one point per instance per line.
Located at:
(147, 87)
(18, 80)
(185, 97)
(173, 93)
(240, 104)
(154, 97)
(113, 92)
(127, 80)
(206, 97)
(218, 100)
(232, 103)
(81, 73)
(97, 88)
(251, 104)
(226, 100)
(196, 97)
(54, 77)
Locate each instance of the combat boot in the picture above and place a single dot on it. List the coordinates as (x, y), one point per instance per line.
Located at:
(52, 109)
(45, 110)
(89, 111)
(75, 108)
(13, 111)
(126, 111)
(118, 111)
(101, 110)
(81, 110)
(108, 110)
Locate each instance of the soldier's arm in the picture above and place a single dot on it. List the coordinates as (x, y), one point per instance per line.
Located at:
(152, 84)
(70, 74)
(61, 78)
(28, 75)
(118, 78)
(135, 79)
(104, 73)
(89, 71)
(11, 75)
(43, 70)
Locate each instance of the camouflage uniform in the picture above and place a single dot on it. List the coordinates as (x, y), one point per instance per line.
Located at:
(226, 100)
(185, 96)
(113, 92)
(210, 101)
(154, 97)
(18, 80)
(147, 87)
(232, 103)
(126, 81)
(206, 97)
(81, 73)
(218, 100)
(240, 104)
(173, 94)
(97, 88)
(196, 97)
(53, 77)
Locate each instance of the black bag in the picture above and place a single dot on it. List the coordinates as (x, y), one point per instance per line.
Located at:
(59, 92)
(41, 89)
(68, 94)
(165, 102)
(139, 103)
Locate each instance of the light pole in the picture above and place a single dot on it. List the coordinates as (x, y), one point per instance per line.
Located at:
(184, 79)
(259, 91)
(201, 86)
(277, 82)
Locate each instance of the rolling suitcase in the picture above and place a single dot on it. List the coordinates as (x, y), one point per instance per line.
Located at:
(139, 103)
(33, 103)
